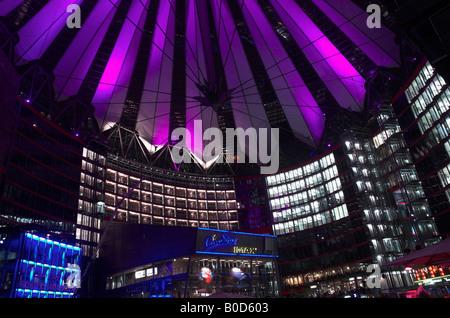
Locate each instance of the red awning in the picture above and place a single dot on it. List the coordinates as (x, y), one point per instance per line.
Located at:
(437, 254)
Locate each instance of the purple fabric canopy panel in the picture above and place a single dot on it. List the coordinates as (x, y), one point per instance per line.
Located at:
(217, 36)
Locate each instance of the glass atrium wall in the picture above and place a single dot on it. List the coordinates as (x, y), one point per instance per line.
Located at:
(426, 116)
(321, 239)
(32, 266)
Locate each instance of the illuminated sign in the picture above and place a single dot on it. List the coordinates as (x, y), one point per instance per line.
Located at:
(149, 272)
(221, 242)
(152, 271)
(213, 242)
(245, 250)
(139, 274)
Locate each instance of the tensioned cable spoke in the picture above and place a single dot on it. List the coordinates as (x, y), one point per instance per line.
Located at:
(167, 139)
(292, 71)
(167, 114)
(295, 86)
(190, 48)
(232, 39)
(312, 63)
(40, 36)
(155, 45)
(301, 49)
(121, 86)
(260, 119)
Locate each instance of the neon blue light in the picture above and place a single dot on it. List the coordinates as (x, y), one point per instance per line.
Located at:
(35, 291)
(235, 254)
(43, 239)
(240, 233)
(51, 266)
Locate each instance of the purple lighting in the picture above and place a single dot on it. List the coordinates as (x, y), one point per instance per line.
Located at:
(120, 65)
(305, 119)
(264, 84)
(39, 33)
(153, 119)
(341, 78)
(378, 44)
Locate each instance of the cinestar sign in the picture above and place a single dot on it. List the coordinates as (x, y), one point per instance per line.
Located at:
(259, 142)
(213, 242)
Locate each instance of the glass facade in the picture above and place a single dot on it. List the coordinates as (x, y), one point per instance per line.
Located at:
(197, 276)
(41, 174)
(37, 267)
(300, 199)
(190, 263)
(424, 112)
(318, 224)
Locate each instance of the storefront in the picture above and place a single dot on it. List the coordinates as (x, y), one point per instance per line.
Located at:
(434, 279)
(199, 263)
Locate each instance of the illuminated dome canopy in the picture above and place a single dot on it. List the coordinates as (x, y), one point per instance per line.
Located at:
(151, 66)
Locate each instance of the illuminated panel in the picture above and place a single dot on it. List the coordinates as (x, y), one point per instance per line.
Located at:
(340, 77)
(198, 60)
(119, 68)
(247, 106)
(378, 44)
(74, 64)
(8, 6)
(49, 269)
(306, 119)
(232, 243)
(154, 116)
(37, 35)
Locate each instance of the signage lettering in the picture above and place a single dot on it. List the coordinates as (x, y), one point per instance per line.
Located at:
(244, 250)
(213, 242)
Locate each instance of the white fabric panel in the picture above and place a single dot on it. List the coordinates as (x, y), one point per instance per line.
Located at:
(247, 106)
(154, 114)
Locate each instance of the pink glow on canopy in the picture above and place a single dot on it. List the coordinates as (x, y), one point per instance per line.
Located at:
(153, 118)
(74, 65)
(247, 106)
(195, 62)
(239, 74)
(307, 119)
(115, 66)
(341, 78)
(378, 44)
(37, 35)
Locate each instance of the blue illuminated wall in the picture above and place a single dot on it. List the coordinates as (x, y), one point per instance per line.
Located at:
(46, 268)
